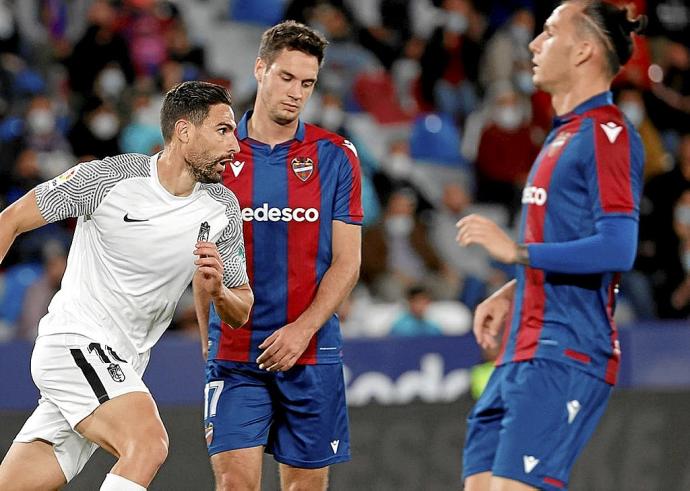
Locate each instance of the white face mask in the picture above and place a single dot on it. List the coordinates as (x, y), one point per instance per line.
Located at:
(41, 122)
(399, 165)
(104, 126)
(524, 82)
(456, 23)
(633, 111)
(112, 81)
(332, 117)
(520, 34)
(682, 214)
(399, 225)
(508, 117)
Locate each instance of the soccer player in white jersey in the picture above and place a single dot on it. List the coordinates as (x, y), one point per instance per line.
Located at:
(136, 247)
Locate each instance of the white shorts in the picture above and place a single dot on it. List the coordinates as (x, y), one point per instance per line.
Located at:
(75, 375)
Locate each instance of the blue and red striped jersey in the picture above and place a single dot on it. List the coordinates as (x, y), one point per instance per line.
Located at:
(590, 167)
(289, 195)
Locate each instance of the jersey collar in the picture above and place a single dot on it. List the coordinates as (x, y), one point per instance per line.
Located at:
(603, 99)
(243, 130)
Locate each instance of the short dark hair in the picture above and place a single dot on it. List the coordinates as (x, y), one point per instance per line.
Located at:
(615, 29)
(192, 101)
(293, 36)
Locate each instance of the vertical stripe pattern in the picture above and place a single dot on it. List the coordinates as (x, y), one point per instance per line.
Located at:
(91, 375)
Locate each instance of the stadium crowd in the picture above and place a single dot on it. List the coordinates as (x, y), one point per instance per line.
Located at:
(436, 95)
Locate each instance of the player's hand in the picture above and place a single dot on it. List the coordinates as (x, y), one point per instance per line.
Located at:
(209, 268)
(283, 348)
(489, 318)
(476, 229)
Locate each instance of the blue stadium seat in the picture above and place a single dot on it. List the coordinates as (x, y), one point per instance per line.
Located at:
(436, 138)
(264, 12)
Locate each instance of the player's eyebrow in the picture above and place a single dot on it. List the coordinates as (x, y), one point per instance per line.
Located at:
(292, 75)
(231, 125)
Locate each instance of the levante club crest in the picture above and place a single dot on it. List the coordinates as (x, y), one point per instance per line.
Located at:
(303, 167)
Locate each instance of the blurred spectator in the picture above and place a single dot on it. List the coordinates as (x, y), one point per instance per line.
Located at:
(508, 146)
(41, 292)
(49, 29)
(507, 57)
(414, 321)
(657, 160)
(96, 133)
(670, 109)
(680, 298)
(450, 61)
(472, 264)
(101, 45)
(659, 244)
(143, 134)
(396, 254)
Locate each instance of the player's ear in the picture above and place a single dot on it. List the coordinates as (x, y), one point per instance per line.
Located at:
(583, 51)
(259, 69)
(182, 130)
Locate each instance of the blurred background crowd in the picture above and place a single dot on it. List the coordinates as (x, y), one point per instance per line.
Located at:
(436, 95)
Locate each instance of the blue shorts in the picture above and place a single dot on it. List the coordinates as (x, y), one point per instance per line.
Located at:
(299, 416)
(532, 421)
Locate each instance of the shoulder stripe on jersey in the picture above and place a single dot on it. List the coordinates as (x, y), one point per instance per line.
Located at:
(81, 189)
(612, 156)
(531, 319)
(303, 243)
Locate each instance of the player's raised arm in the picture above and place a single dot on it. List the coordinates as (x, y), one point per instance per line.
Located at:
(21, 216)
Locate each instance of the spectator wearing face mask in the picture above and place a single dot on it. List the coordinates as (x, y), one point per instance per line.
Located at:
(657, 160)
(396, 254)
(96, 133)
(507, 56)
(450, 61)
(507, 147)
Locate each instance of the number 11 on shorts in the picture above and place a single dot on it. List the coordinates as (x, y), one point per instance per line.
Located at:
(212, 389)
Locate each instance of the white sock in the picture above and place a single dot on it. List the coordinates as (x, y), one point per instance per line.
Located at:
(113, 482)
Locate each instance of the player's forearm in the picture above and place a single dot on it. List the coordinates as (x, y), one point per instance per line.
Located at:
(335, 286)
(202, 304)
(234, 304)
(507, 291)
(611, 249)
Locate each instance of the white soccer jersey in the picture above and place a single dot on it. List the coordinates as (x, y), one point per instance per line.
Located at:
(131, 256)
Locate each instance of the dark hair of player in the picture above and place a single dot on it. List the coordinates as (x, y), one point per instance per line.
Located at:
(191, 101)
(613, 26)
(293, 36)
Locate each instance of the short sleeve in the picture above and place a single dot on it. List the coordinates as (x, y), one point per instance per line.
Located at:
(614, 174)
(231, 248)
(348, 197)
(76, 192)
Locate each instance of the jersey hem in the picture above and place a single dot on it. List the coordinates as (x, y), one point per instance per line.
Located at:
(564, 359)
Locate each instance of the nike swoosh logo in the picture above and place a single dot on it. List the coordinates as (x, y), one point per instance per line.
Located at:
(127, 219)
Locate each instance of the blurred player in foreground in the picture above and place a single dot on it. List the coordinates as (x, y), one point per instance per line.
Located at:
(131, 258)
(276, 384)
(580, 209)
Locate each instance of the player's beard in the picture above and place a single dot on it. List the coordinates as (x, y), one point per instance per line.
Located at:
(203, 169)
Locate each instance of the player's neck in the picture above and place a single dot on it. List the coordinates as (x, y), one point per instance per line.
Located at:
(262, 128)
(173, 174)
(582, 89)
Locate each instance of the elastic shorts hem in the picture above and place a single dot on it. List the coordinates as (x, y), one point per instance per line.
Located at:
(228, 448)
(535, 482)
(472, 471)
(301, 464)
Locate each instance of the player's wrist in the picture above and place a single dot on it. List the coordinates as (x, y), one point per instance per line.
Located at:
(521, 254)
